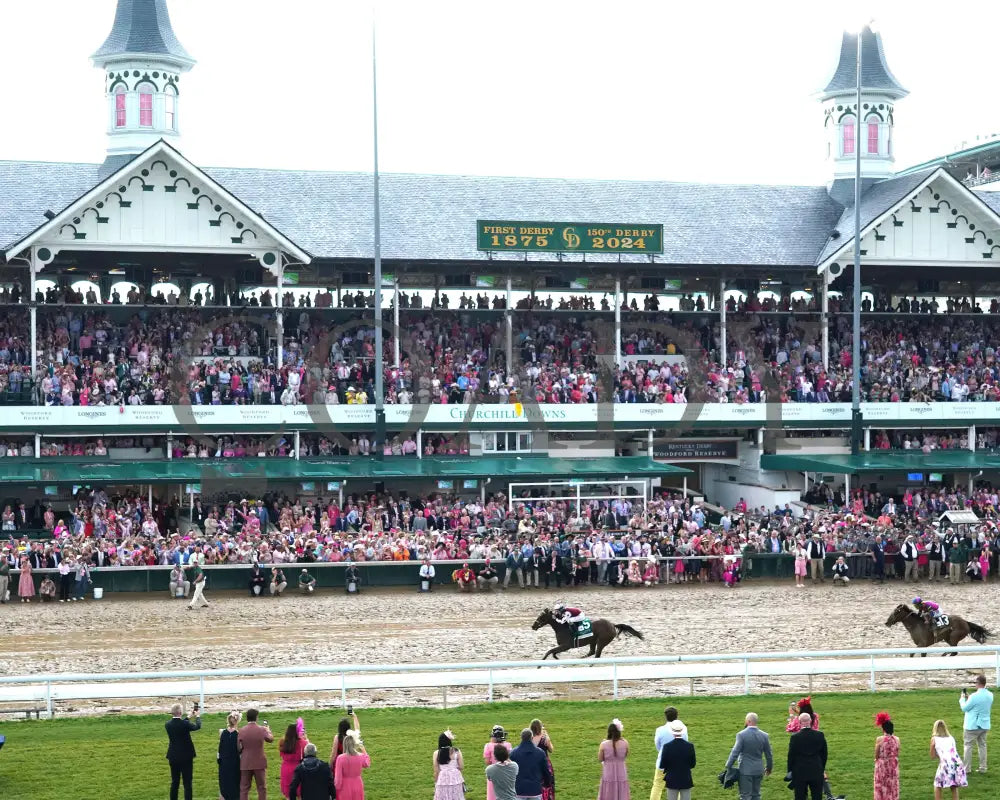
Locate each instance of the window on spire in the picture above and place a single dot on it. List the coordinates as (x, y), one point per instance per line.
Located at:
(145, 91)
(170, 108)
(848, 135)
(873, 125)
(120, 106)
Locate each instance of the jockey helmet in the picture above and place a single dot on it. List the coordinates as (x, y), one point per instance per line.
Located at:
(917, 601)
(559, 607)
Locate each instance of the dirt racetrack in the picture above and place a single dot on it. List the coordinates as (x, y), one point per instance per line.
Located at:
(148, 633)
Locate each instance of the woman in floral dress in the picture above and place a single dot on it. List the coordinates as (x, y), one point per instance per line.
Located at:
(886, 760)
(951, 771)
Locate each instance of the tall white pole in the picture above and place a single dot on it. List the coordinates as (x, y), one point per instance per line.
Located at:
(856, 315)
(379, 365)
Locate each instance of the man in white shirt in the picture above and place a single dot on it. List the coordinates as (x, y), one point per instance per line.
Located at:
(426, 575)
(603, 555)
(663, 735)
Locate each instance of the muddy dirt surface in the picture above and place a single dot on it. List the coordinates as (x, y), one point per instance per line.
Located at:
(145, 633)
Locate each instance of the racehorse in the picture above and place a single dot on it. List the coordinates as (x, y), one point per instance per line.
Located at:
(604, 633)
(924, 635)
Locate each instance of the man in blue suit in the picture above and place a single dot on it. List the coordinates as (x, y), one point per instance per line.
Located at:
(977, 721)
(677, 759)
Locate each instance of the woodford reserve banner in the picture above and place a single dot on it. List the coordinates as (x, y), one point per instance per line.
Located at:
(569, 237)
(697, 449)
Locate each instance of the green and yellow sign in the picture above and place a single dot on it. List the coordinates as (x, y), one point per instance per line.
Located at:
(569, 237)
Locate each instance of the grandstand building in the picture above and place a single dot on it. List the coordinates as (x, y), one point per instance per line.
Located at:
(744, 270)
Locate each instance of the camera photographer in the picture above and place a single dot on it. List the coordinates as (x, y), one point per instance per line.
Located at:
(180, 750)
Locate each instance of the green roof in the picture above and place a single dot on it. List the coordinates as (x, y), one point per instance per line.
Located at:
(949, 159)
(187, 470)
(885, 461)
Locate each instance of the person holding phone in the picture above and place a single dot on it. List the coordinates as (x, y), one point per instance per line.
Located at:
(180, 750)
(346, 724)
(253, 761)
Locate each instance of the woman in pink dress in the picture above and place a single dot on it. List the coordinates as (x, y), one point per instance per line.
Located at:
(26, 584)
(886, 760)
(449, 783)
(290, 747)
(497, 736)
(541, 738)
(347, 770)
(612, 754)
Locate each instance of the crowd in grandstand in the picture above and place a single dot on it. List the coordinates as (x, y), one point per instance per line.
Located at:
(101, 356)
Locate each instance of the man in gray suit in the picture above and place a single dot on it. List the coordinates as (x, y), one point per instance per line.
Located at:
(752, 749)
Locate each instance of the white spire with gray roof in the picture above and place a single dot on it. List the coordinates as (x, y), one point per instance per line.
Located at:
(879, 92)
(143, 61)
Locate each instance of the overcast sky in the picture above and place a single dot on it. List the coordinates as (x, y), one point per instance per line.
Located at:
(703, 91)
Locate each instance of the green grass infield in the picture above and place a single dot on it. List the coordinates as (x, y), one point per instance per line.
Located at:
(122, 757)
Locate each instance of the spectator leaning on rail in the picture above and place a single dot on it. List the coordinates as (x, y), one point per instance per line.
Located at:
(977, 722)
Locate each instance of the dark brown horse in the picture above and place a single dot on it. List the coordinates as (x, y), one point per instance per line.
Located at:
(604, 633)
(924, 635)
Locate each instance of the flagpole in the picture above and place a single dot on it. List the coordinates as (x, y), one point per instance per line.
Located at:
(379, 442)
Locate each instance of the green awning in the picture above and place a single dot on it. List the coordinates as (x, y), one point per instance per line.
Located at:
(885, 461)
(367, 469)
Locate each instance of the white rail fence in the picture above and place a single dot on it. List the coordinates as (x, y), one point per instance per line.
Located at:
(48, 689)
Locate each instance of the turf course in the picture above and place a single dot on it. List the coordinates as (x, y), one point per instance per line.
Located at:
(122, 758)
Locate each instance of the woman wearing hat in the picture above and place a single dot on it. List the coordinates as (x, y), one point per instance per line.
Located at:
(498, 736)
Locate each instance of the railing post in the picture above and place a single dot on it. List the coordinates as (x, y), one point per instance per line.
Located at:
(871, 679)
(343, 690)
(48, 698)
(746, 676)
(614, 679)
(489, 695)
(201, 691)
(997, 655)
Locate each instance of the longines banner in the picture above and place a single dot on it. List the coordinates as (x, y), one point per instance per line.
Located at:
(638, 416)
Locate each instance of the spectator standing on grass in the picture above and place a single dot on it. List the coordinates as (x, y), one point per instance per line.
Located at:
(886, 760)
(228, 756)
(291, 747)
(612, 753)
(543, 742)
(676, 762)
(532, 768)
(951, 771)
(752, 754)
(449, 784)
(661, 737)
(180, 750)
(501, 774)
(347, 771)
(313, 778)
(977, 722)
(253, 760)
(498, 739)
(807, 754)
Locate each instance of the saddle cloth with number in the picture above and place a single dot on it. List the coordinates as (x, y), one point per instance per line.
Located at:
(583, 630)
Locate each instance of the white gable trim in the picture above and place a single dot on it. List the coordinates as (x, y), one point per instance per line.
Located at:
(50, 230)
(938, 175)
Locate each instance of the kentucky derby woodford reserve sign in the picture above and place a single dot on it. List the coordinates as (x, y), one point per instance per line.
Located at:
(697, 450)
(569, 237)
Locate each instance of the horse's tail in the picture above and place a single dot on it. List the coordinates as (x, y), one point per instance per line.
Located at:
(628, 630)
(978, 632)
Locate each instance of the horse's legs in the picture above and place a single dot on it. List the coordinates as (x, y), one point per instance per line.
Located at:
(600, 649)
